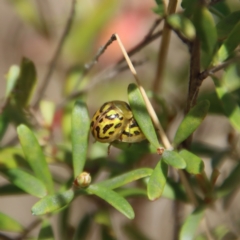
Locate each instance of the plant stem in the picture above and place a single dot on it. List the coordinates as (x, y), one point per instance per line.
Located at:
(53, 62)
(164, 45)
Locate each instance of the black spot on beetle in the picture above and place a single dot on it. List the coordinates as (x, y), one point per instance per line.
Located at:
(136, 132)
(111, 133)
(107, 127)
(118, 125)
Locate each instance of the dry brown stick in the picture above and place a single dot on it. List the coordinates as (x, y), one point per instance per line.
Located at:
(164, 44)
(53, 62)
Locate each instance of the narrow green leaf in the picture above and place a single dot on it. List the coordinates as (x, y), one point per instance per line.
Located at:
(229, 45)
(4, 121)
(80, 133)
(52, 203)
(9, 224)
(125, 178)
(226, 25)
(132, 192)
(191, 224)
(157, 181)
(191, 121)
(194, 163)
(134, 233)
(182, 24)
(230, 106)
(25, 83)
(46, 232)
(26, 182)
(35, 156)
(174, 159)
(206, 32)
(141, 115)
(114, 199)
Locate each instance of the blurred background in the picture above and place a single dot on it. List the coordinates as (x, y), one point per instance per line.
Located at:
(33, 28)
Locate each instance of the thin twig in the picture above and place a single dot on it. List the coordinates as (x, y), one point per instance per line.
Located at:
(164, 44)
(53, 62)
(150, 109)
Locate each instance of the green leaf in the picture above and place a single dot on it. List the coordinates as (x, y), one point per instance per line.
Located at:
(132, 192)
(113, 199)
(80, 133)
(230, 106)
(35, 156)
(160, 9)
(46, 232)
(194, 163)
(4, 121)
(183, 25)
(191, 121)
(206, 32)
(174, 159)
(25, 84)
(226, 25)
(229, 45)
(134, 233)
(157, 181)
(9, 224)
(26, 182)
(141, 115)
(52, 203)
(125, 178)
(191, 224)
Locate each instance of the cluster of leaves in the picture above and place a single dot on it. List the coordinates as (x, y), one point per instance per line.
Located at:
(27, 170)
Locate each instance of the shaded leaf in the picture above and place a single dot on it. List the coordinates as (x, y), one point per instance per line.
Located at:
(80, 133)
(226, 25)
(206, 32)
(125, 178)
(229, 45)
(141, 115)
(157, 181)
(174, 159)
(10, 189)
(194, 163)
(4, 121)
(230, 106)
(183, 25)
(35, 156)
(83, 228)
(52, 203)
(134, 233)
(191, 121)
(9, 224)
(25, 181)
(46, 232)
(191, 224)
(25, 84)
(113, 199)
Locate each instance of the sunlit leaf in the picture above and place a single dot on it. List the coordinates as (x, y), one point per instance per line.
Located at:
(9, 224)
(191, 224)
(140, 113)
(125, 178)
(132, 192)
(157, 181)
(25, 181)
(182, 24)
(35, 156)
(194, 163)
(11, 78)
(80, 133)
(52, 203)
(191, 121)
(113, 198)
(174, 159)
